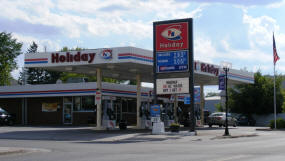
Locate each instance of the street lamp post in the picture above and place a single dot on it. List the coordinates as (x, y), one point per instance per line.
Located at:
(226, 129)
(226, 66)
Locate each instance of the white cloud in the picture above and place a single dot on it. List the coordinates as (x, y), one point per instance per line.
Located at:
(253, 59)
(276, 4)
(204, 50)
(16, 73)
(51, 45)
(99, 18)
(260, 29)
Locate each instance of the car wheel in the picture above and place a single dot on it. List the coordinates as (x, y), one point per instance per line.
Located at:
(210, 125)
(220, 125)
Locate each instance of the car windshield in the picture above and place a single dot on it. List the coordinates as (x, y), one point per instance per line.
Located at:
(2, 111)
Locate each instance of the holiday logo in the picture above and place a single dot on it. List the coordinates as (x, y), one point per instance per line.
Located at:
(106, 54)
(172, 33)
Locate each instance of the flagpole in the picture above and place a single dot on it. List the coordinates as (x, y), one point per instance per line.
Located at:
(274, 100)
(275, 59)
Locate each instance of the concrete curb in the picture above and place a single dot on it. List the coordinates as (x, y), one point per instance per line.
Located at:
(234, 136)
(264, 129)
(13, 150)
(6, 151)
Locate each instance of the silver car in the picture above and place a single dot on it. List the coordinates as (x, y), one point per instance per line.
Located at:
(219, 118)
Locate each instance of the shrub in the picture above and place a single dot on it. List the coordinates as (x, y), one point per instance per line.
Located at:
(174, 127)
(174, 124)
(280, 123)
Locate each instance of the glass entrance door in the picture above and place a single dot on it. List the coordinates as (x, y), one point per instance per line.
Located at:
(67, 113)
(118, 111)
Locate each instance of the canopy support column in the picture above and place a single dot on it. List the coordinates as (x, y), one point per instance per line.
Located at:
(24, 111)
(202, 103)
(175, 108)
(138, 79)
(99, 105)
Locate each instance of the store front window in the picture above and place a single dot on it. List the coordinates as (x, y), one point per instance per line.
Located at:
(84, 103)
(88, 103)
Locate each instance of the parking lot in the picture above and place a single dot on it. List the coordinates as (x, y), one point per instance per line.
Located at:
(85, 143)
(65, 133)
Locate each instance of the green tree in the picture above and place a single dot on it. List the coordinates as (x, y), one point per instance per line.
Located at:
(256, 98)
(219, 107)
(283, 105)
(9, 50)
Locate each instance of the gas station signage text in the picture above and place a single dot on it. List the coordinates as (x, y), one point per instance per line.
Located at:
(172, 85)
(68, 57)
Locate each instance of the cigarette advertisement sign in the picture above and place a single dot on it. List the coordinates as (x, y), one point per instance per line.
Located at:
(221, 82)
(98, 98)
(155, 110)
(172, 86)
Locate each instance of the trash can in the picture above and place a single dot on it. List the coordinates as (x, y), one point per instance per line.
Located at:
(123, 125)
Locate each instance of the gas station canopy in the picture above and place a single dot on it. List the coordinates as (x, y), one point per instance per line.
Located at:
(124, 63)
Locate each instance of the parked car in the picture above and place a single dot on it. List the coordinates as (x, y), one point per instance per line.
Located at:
(219, 118)
(244, 120)
(6, 118)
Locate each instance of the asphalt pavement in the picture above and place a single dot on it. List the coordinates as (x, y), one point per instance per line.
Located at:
(86, 143)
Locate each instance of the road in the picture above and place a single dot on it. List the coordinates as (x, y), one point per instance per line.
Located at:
(85, 144)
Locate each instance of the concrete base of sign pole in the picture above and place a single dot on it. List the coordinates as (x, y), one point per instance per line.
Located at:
(158, 128)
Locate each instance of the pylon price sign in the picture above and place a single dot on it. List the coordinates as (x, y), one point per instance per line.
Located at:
(172, 47)
(173, 58)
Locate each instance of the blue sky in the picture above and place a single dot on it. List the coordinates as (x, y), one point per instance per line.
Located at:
(237, 31)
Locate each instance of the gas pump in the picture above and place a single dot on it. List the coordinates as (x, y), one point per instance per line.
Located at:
(168, 114)
(145, 115)
(108, 115)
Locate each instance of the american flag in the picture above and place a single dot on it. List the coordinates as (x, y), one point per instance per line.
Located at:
(275, 55)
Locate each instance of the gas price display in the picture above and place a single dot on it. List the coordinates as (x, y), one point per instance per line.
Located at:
(172, 61)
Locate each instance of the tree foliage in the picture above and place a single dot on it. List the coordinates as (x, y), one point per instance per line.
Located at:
(9, 50)
(211, 94)
(256, 98)
(219, 107)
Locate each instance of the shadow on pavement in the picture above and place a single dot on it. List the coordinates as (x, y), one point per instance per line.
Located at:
(88, 134)
(63, 133)
(134, 139)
